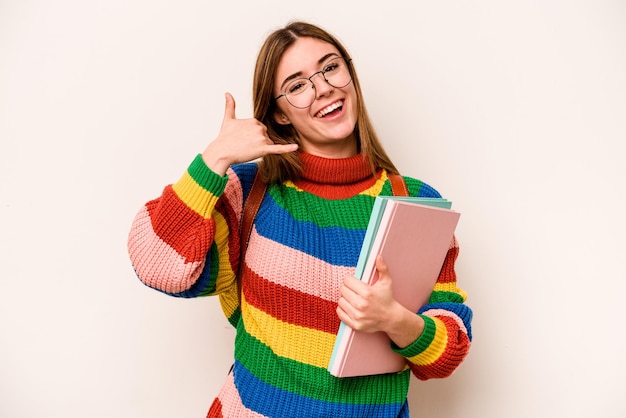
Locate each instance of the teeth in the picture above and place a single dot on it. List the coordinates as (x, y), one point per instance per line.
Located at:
(325, 111)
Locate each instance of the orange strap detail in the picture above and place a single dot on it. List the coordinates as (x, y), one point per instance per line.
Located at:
(398, 185)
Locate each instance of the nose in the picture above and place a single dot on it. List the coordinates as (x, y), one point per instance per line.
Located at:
(320, 85)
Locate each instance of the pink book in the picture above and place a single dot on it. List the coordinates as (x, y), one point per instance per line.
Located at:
(413, 240)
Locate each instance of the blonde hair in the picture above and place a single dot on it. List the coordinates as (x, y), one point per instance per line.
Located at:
(278, 168)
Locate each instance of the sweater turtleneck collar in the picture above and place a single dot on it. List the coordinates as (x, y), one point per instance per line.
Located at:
(335, 178)
(335, 171)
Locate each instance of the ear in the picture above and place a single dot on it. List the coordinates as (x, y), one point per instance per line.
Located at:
(281, 118)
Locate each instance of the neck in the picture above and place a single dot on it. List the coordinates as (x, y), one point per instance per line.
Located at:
(345, 148)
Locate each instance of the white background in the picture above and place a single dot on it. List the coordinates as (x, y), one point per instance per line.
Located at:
(514, 110)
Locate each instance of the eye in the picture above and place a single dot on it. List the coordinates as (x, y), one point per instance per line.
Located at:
(297, 86)
(331, 66)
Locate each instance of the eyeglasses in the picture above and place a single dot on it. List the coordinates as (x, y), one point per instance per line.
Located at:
(300, 92)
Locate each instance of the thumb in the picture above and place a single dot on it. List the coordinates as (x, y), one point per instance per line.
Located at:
(381, 267)
(229, 110)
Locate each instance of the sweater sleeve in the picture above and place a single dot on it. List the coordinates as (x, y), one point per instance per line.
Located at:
(182, 243)
(447, 335)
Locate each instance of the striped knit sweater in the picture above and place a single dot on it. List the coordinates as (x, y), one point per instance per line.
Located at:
(306, 238)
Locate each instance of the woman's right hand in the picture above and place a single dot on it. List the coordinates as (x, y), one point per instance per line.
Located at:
(240, 140)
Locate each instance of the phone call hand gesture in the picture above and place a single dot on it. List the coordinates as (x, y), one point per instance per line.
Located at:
(240, 140)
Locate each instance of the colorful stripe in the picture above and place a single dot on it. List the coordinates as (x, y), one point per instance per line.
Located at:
(278, 226)
(288, 374)
(288, 340)
(296, 308)
(436, 345)
(255, 394)
(281, 271)
(174, 273)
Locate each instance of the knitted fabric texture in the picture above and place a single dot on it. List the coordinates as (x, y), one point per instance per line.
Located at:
(305, 239)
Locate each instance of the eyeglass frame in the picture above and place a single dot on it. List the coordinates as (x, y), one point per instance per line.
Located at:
(322, 72)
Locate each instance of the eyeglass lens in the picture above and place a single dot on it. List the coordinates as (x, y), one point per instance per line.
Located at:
(301, 92)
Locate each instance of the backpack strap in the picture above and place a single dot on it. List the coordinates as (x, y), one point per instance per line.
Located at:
(398, 185)
(250, 209)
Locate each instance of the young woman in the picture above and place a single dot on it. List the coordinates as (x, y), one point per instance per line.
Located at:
(323, 166)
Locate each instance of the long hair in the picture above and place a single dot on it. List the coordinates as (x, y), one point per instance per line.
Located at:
(278, 168)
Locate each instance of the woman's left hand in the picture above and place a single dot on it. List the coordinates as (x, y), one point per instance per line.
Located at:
(373, 308)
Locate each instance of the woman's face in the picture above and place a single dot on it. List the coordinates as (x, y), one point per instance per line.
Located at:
(326, 128)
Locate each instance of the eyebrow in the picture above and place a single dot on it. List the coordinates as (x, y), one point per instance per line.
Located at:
(299, 73)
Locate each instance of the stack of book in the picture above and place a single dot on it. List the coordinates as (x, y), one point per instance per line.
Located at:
(413, 236)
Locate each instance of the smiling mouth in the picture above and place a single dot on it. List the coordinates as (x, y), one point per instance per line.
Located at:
(330, 109)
